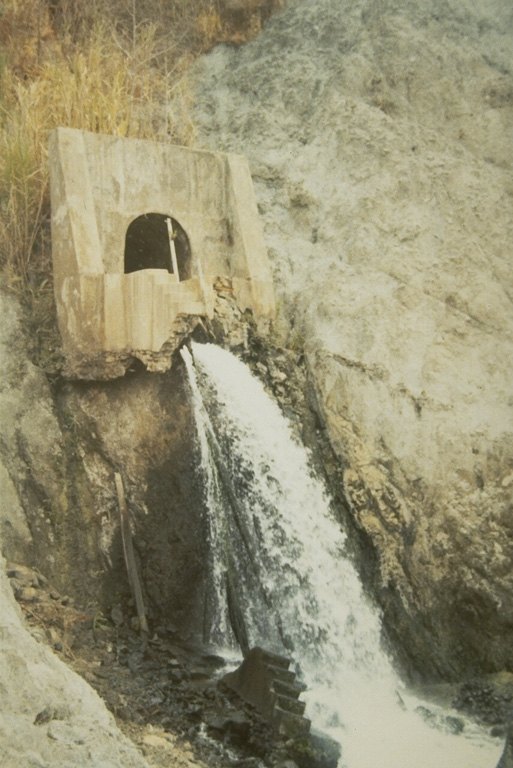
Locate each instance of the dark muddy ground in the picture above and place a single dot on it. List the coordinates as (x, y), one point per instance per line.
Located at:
(161, 687)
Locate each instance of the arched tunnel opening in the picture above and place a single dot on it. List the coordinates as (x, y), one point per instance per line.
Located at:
(157, 241)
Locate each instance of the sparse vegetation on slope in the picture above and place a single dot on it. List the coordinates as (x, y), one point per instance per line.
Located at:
(109, 66)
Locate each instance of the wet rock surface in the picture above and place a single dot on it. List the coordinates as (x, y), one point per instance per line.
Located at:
(489, 699)
(62, 443)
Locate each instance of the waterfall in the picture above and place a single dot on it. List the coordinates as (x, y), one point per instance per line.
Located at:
(283, 579)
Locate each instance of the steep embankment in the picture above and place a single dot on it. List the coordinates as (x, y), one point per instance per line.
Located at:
(60, 450)
(379, 137)
(59, 512)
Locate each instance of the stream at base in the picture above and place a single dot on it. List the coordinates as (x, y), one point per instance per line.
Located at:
(282, 576)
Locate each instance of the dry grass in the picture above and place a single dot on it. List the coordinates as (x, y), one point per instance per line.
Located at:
(99, 84)
(109, 66)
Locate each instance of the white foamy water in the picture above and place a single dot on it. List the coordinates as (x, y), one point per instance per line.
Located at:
(272, 526)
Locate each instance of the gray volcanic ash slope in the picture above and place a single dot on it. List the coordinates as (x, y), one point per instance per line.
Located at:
(379, 136)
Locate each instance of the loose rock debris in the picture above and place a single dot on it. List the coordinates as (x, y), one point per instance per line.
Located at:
(164, 690)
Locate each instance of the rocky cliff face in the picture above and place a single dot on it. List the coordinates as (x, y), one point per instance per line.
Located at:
(61, 445)
(379, 139)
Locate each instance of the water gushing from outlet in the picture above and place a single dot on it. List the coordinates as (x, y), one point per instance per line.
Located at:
(284, 580)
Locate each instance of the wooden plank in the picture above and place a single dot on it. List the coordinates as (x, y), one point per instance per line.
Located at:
(128, 552)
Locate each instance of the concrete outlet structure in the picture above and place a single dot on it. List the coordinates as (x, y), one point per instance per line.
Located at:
(142, 233)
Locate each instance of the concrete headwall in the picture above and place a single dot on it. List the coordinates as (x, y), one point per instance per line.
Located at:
(99, 185)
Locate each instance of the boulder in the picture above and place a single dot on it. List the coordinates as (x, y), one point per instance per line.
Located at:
(49, 715)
